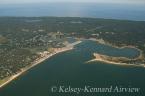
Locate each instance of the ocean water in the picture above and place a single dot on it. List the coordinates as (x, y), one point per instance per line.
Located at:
(95, 10)
(69, 69)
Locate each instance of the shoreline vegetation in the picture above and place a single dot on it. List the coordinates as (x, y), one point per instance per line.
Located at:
(116, 60)
(43, 56)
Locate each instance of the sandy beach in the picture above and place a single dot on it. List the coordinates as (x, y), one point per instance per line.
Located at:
(99, 58)
(39, 60)
(115, 63)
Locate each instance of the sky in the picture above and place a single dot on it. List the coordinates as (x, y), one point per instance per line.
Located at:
(97, 1)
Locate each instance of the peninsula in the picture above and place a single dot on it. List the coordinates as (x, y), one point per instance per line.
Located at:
(115, 60)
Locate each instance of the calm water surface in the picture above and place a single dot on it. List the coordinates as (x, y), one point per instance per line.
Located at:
(69, 69)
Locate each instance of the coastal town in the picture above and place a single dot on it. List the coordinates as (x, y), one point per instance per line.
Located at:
(41, 57)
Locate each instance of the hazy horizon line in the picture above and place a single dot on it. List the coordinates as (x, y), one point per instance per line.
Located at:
(117, 3)
(134, 3)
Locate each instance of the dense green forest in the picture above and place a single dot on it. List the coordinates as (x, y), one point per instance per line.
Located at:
(115, 31)
(22, 37)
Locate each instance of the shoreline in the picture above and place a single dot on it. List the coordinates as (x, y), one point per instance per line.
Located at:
(98, 57)
(40, 60)
(101, 41)
(141, 54)
(115, 63)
